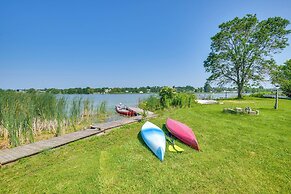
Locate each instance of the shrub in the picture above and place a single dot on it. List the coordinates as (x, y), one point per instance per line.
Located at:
(182, 100)
(152, 103)
(168, 97)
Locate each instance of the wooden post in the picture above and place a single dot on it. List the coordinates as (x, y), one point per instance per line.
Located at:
(276, 101)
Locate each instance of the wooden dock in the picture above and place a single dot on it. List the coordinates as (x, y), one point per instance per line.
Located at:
(14, 154)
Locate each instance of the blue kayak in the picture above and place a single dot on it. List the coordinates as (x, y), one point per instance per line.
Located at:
(154, 138)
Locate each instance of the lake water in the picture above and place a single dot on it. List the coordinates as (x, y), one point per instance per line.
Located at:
(133, 99)
(110, 99)
(217, 95)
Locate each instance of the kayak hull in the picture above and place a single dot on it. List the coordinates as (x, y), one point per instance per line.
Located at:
(154, 138)
(182, 132)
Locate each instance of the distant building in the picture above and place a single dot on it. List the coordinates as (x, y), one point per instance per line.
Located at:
(107, 90)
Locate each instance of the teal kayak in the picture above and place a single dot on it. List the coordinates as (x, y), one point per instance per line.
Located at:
(154, 138)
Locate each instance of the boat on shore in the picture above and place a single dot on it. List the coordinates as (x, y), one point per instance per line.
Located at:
(124, 110)
(154, 138)
(182, 132)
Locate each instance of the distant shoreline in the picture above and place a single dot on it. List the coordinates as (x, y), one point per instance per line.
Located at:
(138, 90)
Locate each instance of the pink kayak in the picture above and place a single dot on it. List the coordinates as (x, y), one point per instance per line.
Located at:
(182, 132)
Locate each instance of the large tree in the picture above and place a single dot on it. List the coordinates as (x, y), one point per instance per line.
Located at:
(242, 52)
(282, 76)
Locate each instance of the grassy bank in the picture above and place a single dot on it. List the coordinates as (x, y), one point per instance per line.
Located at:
(240, 154)
(26, 117)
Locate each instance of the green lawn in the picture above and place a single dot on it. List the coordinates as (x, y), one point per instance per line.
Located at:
(240, 154)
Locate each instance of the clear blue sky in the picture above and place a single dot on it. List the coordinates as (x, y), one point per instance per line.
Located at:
(69, 43)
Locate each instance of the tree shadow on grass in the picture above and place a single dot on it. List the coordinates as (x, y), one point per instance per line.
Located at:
(271, 108)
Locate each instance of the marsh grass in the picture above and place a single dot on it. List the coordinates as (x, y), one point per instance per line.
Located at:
(75, 112)
(102, 112)
(61, 115)
(25, 116)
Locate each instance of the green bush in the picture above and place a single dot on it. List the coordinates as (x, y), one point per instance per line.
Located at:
(152, 103)
(168, 97)
(282, 76)
(182, 100)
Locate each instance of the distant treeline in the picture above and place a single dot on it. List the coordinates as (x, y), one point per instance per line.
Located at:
(147, 89)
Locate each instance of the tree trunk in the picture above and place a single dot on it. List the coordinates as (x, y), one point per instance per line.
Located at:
(239, 91)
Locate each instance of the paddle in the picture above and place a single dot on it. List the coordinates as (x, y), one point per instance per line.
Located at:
(173, 147)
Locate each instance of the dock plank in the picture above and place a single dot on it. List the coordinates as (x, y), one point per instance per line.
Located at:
(14, 154)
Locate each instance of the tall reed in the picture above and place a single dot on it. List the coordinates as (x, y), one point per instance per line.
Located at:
(61, 115)
(102, 108)
(75, 111)
(25, 116)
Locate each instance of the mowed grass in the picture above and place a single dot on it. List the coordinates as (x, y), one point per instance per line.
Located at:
(240, 154)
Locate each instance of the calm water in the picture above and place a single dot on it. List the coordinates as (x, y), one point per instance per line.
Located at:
(217, 95)
(132, 99)
(110, 99)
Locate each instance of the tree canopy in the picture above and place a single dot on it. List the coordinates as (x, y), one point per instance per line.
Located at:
(282, 76)
(242, 52)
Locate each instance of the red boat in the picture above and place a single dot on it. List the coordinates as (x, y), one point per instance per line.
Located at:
(182, 132)
(124, 110)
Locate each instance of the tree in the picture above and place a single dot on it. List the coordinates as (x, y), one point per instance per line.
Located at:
(242, 52)
(31, 91)
(282, 76)
(166, 95)
(207, 87)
